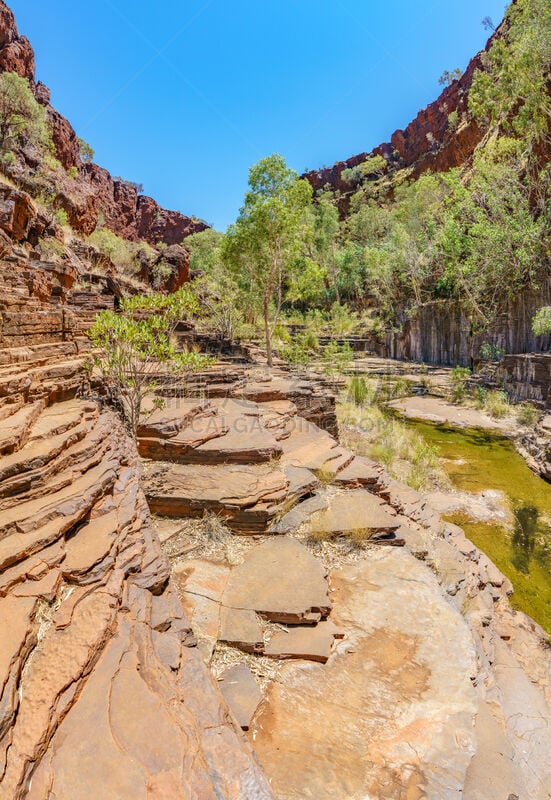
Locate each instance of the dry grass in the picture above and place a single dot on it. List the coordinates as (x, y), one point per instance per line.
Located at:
(266, 670)
(370, 431)
(208, 538)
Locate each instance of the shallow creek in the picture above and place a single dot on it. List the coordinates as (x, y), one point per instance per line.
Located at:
(475, 460)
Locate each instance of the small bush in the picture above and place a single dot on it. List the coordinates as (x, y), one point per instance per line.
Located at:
(337, 357)
(480, 396)
(358, 391)
(61, 217)
(459, 378)
(541, 324)
(86, 152)
(497, 404)
(526, 414)
(72, 172)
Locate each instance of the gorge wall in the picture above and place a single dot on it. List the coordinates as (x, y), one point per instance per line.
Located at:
(428, 143)
(95, 194)
(441, 333)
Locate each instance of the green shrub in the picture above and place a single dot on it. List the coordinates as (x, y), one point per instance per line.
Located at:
(86, 152)
(337, 357)
(541, 324)
(480, 396)
(61, 217)
(72, 172)
(459, 377)
(491, 352)
(22, 118)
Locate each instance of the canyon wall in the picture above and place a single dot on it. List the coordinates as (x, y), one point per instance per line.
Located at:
(428, 143)
(95, 194)
(441, 333)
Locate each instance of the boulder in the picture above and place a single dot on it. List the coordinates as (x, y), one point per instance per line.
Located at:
(17, 212)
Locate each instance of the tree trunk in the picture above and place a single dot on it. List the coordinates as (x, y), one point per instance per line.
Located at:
(268, 332)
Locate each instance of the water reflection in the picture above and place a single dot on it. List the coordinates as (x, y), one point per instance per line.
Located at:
(524, 536)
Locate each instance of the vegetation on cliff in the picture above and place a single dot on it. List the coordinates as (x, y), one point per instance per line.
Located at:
(473, 236)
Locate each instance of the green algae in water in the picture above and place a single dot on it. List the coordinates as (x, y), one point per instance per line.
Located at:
(474, 460)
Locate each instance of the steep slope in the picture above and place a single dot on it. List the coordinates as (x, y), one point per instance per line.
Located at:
(95, 194)
(429, 143)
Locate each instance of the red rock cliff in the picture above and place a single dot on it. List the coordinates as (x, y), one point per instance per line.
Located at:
(125, 212)
(429, 142)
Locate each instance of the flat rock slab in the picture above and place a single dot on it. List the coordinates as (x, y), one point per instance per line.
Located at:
(242, 694)
(230, 432)
(298, 515)
(311, 643)
(240, 628)
(435, 409)
(164, 423)
(361, 472)
(309, 446)
(281, 580)
(352, 512)
(391, 713)
(246, 497)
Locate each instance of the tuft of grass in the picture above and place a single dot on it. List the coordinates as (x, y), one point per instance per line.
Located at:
(358, 391)
(372, 432)
(526, 414)
(497, 404)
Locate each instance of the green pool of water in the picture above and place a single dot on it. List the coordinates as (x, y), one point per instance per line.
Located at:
(474, 460)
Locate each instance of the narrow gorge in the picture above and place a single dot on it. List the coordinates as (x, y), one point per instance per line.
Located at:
(229, 602)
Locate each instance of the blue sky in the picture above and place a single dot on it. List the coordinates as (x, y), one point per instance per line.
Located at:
(184, 95)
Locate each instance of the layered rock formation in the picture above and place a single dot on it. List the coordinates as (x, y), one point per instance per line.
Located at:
(102, 691)
(95, 192)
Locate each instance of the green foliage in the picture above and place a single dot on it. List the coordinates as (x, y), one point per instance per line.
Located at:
(453, 120)
(447, 77)
(358, 391)
(73, 173)
(132, 351)
(459, 377)
(22, 119)
(160, 272)
(491, 352)
(512, 90)
(342, 320)
(268, 238)
(86, 151)
(122, 253)
(336, 358)
(61, 217)
(541, 324)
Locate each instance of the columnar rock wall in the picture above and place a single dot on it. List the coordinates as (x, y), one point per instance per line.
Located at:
(440, 333)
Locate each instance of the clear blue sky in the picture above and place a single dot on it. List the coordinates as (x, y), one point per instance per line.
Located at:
(184, 95)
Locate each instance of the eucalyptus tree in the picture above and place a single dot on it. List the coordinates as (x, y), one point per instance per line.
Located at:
(268, 239)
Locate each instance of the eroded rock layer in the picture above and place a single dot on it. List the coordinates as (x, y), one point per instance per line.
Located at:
(102, 690)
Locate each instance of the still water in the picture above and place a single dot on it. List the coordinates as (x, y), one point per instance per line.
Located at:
(474, 460)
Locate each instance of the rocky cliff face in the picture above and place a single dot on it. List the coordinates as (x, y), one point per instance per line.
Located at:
(96, 192)
(429, 142)
(441, 333)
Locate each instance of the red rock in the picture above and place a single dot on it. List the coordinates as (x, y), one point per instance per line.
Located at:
(242, 693)
(17, 212)
(280, 580)
(312, 643)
